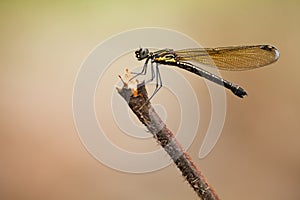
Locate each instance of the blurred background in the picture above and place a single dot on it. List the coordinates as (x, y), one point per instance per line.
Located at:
(43, 44)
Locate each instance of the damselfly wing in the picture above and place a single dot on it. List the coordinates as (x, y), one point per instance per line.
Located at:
(233, 58)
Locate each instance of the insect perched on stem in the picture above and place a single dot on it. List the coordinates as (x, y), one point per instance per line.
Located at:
(234, 58)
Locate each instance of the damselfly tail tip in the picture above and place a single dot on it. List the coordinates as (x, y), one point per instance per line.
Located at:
(239, 91)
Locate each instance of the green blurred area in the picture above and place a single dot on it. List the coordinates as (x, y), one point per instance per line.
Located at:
(43, 44)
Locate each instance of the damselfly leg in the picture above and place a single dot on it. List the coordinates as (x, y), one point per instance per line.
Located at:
(154, 74)
(143, 72)
(158, 81)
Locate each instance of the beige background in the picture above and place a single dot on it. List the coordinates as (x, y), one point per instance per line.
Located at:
(42, 47)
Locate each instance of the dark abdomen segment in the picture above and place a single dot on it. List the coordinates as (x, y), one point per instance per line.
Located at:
(237, 90)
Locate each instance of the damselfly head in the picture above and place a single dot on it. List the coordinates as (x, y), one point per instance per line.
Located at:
(142, 53)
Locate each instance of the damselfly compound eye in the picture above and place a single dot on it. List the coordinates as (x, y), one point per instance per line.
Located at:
(142, 53)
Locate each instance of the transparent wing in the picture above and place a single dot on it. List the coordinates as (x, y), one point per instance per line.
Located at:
(231, 58)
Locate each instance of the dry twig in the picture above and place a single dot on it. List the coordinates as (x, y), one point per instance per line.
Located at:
(139, 104)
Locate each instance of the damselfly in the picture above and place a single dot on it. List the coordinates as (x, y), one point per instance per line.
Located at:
(234, 58)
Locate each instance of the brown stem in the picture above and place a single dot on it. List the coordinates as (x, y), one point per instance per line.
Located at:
(142, 108)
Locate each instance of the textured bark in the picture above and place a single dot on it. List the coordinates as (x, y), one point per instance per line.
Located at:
(142, 108)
